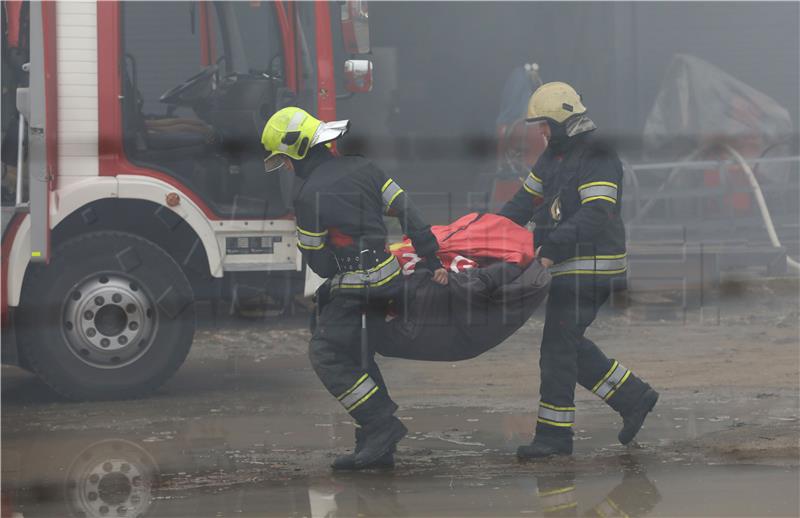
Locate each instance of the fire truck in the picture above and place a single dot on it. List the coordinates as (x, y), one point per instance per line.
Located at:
(133, 181)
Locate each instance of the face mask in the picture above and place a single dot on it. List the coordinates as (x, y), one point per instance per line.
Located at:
(278, 164)
(558, 137)
(578, 125)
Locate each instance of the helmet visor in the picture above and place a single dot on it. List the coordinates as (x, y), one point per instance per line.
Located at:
(329, 131)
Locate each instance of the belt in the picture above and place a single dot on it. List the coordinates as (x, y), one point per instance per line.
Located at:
(352, 261)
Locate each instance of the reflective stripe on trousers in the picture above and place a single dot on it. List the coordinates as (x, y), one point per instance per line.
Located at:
(561, 416)
(359, 393)
(611, 381)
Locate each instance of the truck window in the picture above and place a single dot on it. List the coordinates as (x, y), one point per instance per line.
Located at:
(262, 47)
(165, 48)
(199, 82)
(15, 50)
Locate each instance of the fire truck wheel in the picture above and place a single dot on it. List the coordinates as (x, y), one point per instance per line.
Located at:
(112, 316)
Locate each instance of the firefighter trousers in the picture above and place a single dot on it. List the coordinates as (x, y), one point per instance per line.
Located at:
(335, 354)
(567, 357)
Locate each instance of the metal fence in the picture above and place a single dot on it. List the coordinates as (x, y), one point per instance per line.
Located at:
(712, 200)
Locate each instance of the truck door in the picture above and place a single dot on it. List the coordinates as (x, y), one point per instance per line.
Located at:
(29, 118)
(199, 81)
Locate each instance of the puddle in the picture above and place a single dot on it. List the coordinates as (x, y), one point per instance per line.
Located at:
(455, 462)
(121, 478)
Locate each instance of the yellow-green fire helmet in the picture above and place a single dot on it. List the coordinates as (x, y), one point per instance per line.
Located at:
(292, 131)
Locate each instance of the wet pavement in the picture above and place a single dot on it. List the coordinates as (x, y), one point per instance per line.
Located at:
(245, 429)
(455, 462)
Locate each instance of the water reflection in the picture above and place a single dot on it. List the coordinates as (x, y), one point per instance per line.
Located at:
(356, 495)
(111, 478)
(556, 494)
(119, 478)
(79, 477)
(634, 495)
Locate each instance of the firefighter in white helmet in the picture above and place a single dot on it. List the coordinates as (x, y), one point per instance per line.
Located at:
(341, 233)
(573, 195)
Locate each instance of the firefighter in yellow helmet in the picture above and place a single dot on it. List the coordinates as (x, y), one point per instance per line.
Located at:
(573, 195)
(339, 207)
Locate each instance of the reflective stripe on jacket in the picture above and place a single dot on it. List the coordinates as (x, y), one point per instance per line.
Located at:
(574, 199)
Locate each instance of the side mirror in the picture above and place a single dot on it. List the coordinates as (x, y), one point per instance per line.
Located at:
(358, 75)
(355, 26)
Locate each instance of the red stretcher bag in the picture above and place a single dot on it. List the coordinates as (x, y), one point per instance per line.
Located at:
(473, 241)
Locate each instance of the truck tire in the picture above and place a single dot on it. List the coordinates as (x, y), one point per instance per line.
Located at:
(111, 317)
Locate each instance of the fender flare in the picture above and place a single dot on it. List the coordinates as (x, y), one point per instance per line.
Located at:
(151, 189)
(77, 195)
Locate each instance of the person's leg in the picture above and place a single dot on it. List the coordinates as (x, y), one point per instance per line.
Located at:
(335, 355)
(559, 371)
(348, 461)
(558, 363)
(567, 356)
(608, 378)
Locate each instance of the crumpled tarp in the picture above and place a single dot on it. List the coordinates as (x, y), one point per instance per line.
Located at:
(699, 103)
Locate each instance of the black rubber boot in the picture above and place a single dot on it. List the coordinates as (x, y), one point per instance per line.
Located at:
(348, 461)
(381, 438)
(544, 446)
(633, 420)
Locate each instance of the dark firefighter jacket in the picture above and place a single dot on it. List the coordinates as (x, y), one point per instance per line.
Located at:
(339, 213)
(574, 196)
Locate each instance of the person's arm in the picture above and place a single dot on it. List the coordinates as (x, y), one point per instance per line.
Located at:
(398, 204)
(598, 188)
(522, 207)
(312, 240)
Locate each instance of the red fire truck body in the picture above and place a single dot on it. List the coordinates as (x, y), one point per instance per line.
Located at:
(133, 200)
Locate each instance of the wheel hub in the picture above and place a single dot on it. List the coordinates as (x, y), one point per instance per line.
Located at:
(109, 320)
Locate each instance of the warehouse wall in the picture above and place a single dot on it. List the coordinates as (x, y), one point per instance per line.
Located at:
(452, 59)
